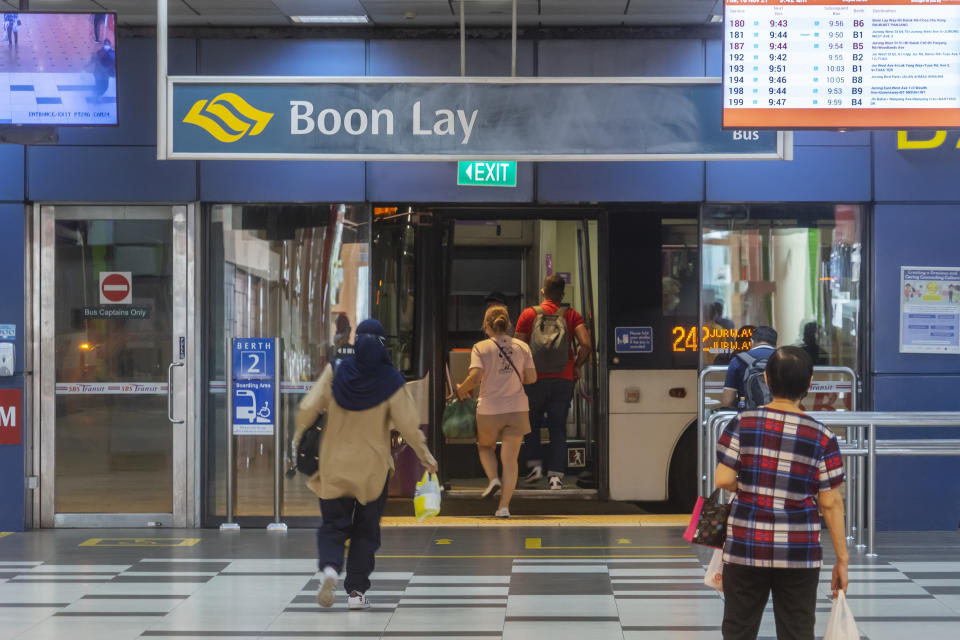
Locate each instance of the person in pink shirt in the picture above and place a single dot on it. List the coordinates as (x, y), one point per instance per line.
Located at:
(500, 366)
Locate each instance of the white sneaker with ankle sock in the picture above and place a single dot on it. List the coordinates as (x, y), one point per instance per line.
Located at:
(357, 601)
(491, 488)
(536, 473)
(556, 482)
(503, 512)
(328, 587)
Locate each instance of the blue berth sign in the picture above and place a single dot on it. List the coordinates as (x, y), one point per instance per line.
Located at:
(633, 340)
(254, 386)
(444, 119)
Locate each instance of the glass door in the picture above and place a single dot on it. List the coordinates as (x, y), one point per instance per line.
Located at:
(113, 379)
(298, 273)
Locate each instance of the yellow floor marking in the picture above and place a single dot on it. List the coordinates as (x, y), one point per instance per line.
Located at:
(4, 534)
(140, 542)
(444, 541)
(537, 543)
(541, 521)
(623, 541)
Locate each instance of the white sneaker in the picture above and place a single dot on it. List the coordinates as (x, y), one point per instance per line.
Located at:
(536, 473)
(357, 601)
(502, 513)
(491, 488)
(328, 587)
(556, 483)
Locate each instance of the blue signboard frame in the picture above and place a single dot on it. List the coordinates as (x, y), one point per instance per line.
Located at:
(633, 340)
(445, 119)
(254, 386)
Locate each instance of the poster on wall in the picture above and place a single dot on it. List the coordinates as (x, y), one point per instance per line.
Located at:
(930, 310)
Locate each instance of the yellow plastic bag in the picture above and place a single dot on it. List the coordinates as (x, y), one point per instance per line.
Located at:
(426, 498)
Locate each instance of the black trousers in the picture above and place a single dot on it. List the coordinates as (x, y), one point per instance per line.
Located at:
(345, 518)
(745, 592)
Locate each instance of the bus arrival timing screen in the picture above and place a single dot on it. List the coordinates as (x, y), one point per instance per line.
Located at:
(833, 64)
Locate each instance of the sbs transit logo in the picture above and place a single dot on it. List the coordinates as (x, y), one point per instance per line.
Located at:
(228, 117)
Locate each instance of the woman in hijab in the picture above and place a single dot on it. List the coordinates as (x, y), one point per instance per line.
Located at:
(365, 398)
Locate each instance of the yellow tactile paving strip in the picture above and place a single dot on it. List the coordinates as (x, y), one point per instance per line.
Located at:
(542, 521)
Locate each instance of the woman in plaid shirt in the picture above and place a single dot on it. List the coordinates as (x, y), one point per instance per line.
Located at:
(782, 464)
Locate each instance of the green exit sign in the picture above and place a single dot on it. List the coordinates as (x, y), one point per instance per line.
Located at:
(478, 173)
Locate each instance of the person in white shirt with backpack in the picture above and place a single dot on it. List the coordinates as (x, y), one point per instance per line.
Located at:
(560, 344)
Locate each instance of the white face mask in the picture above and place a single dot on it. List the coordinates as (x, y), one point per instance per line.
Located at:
(106, 47)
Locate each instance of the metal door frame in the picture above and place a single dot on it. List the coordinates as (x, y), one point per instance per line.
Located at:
(184, 399)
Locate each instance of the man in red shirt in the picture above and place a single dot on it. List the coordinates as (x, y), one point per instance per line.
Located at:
(552, 392)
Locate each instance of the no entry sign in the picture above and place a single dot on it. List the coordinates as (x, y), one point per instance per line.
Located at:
(115, 287)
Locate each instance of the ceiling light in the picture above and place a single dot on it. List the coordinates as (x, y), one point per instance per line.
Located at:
(362, 19)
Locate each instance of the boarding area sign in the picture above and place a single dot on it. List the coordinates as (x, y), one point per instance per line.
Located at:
(444, 119)
(254, 386)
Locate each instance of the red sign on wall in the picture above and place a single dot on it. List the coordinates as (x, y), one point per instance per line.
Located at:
(11, 415)
(115, 287)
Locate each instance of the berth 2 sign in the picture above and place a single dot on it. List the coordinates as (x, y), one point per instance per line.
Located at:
(253, 385)
(492, 120)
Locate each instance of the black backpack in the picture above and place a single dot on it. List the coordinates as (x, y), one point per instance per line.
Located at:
(308, 449)
(755, 390)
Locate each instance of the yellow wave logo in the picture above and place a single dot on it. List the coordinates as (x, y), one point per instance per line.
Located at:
(228, 117)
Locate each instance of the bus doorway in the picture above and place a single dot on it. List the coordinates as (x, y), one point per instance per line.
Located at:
(433, 271)
(491, 260)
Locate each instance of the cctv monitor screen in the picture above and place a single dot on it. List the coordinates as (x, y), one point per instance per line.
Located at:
(58, 69)
(839, 64)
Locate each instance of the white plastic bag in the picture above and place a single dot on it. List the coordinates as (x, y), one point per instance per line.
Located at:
(841, 625)
(426, 498)
(714, 576)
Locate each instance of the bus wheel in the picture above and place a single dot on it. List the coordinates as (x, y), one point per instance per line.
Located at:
(683, 473)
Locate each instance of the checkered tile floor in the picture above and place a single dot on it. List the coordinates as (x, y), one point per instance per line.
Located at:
(434, 583)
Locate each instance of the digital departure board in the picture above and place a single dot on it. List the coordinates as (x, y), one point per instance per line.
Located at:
(837, 64)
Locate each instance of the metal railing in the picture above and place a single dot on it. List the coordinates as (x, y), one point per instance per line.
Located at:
(861, 444)
(871, 421)
(705, 449)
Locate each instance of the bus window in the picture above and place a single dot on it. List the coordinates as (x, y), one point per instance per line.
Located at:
(793, 267)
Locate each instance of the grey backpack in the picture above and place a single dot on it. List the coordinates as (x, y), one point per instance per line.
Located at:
(755, 390)
(550, 340)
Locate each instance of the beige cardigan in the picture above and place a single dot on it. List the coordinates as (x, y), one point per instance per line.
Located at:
(355, 447)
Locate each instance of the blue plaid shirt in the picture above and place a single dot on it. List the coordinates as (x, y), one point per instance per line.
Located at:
(783, 460)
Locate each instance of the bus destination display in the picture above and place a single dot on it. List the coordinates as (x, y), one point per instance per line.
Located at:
(836, 64)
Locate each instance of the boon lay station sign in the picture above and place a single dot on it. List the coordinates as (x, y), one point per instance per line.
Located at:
(444, 119)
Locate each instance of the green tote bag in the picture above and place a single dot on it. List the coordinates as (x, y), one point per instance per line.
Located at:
(460, 419)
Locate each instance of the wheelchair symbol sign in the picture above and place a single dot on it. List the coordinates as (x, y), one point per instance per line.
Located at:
(253, 407)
